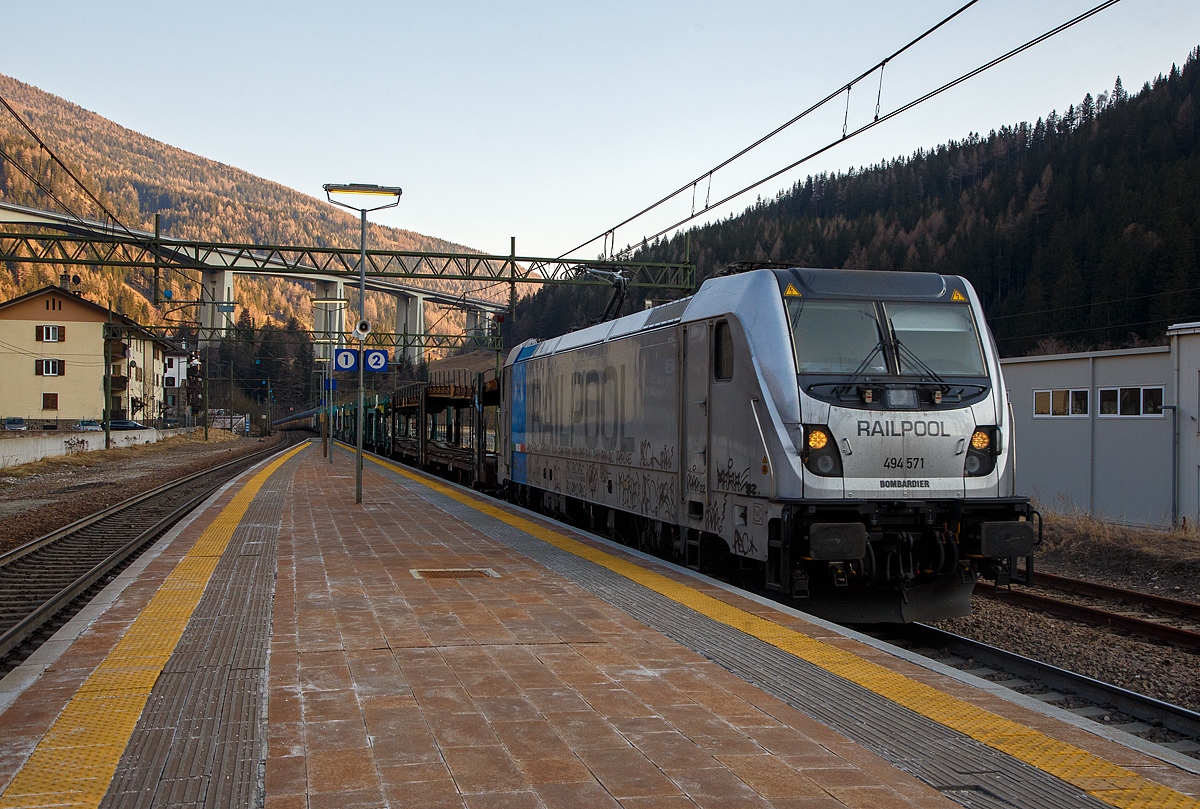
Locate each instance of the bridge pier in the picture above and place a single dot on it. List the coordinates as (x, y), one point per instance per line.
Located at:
(410, 321)
(216, 306)
(329, 319)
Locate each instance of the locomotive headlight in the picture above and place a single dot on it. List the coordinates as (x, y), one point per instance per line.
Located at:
(981, 453)
(980, 440)
(817, 439)
(821, 455)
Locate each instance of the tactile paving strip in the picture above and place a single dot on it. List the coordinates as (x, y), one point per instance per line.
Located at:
(974, 757)
(199, 741)
(74, 763)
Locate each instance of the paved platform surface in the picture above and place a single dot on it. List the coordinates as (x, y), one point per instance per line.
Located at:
(309, 666)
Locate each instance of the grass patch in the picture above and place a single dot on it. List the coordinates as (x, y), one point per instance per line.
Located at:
(1086, 542)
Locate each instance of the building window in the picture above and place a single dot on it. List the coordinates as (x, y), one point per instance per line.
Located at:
(50, 334)
(1131, 401)
(49, 368)
(169, 382)
(170, 362)
(49, 401)
(1060, 402)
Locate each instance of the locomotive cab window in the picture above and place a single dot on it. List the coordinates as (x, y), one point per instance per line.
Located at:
(837, 337)
(723, 352)
(938, 337)
(893, 338)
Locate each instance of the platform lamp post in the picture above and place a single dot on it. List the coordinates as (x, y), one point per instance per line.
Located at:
(372, 193)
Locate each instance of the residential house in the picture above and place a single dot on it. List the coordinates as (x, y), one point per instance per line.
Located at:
(52, 361)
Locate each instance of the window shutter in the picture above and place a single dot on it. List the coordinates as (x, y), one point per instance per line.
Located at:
(62, 334)
(62, 368)
(37, 333)
(37, 367)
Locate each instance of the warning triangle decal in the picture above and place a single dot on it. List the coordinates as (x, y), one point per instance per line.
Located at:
(791, 291)
(957, 296)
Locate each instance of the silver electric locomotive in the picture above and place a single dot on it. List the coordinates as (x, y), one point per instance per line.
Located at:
(841, 437)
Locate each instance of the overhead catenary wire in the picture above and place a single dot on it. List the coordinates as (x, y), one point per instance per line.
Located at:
(841, 88)
(38, 184)
(1093, 304)
(87, 191)
(64, 167)
(1084, 329)
(916, 102)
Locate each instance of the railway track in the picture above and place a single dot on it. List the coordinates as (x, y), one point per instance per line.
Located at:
(45, 581)
(1169, 726)
(1148, 616)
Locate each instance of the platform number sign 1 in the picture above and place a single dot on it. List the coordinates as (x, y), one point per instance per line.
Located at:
(345, 359)
(376, 359)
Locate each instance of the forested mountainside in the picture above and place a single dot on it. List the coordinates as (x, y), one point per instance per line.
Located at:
(137, 177)
(1078, 231)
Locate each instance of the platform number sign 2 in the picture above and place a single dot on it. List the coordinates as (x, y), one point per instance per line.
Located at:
(376, 359)
(345, 359)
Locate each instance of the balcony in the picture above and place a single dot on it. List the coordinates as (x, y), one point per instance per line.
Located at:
(119, 382)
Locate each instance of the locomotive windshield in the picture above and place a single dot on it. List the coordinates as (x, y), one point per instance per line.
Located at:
(877, 338)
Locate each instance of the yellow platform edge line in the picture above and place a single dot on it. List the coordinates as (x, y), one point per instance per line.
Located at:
(75, 761)
(1024, 744)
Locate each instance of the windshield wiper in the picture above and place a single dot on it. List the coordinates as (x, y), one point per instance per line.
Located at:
(904, 351)
(862, 366)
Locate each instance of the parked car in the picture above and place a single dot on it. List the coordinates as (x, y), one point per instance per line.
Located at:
(171, 421)
(124, 424)
(89, 426)
(15, 423)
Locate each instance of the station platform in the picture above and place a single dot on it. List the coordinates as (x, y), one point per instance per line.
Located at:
(287, 648)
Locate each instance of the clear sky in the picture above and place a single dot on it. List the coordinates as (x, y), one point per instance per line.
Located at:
(553, 121)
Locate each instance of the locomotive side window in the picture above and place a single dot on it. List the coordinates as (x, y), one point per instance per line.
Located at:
(723, 353)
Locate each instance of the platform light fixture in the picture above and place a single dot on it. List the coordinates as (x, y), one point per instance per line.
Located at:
(387, 197)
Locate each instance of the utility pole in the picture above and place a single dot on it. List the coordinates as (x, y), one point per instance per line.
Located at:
(108, 383)
(207, 413)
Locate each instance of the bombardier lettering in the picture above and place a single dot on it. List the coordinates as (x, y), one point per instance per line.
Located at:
(902, 428)
(904, 484)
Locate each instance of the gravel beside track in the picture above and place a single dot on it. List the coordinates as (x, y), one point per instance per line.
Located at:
(1156, 670)
(1151, 562)
(39, 498)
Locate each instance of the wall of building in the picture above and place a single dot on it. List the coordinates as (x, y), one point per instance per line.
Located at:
(1185, 347)
(80, 389)
(1116, 465)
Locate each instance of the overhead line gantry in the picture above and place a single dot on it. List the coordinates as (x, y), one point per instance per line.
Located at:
(66, 241)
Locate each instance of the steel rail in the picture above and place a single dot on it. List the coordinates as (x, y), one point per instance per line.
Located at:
(43, 613)
(1184, 638)
(1148, 709)
(1171, 606)
(54, 536)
